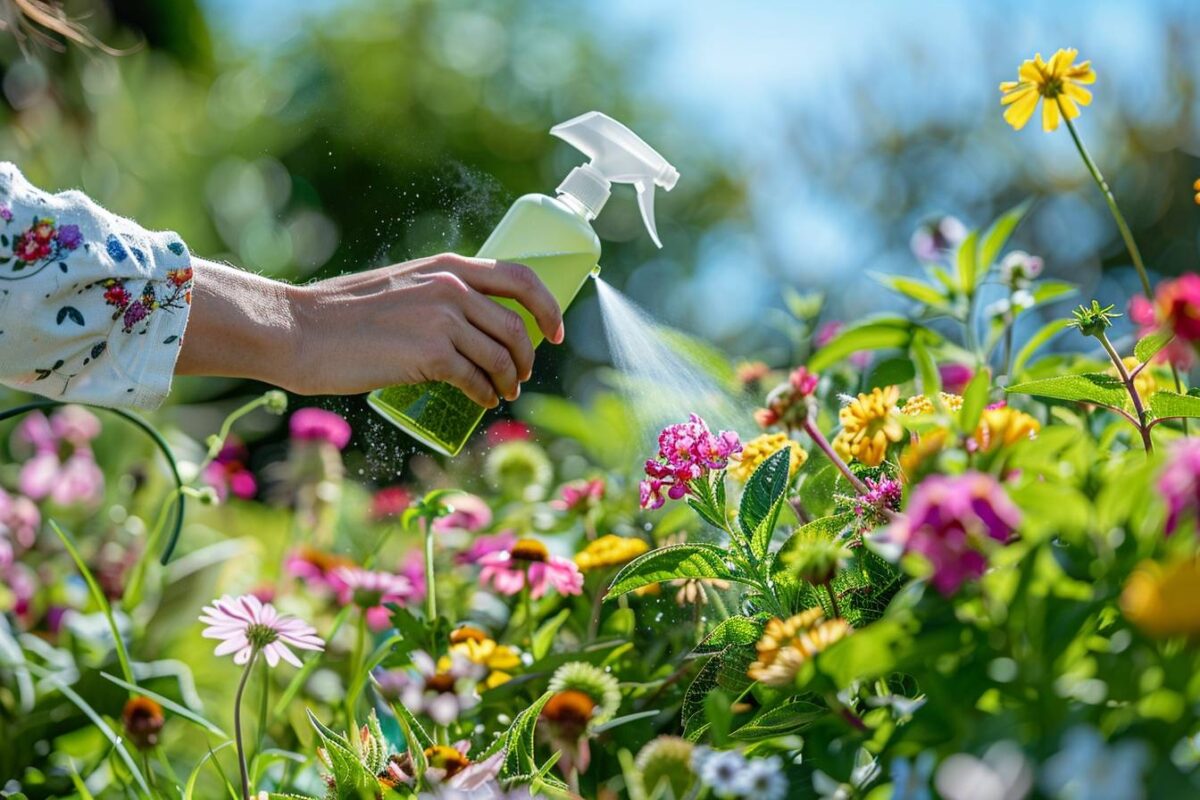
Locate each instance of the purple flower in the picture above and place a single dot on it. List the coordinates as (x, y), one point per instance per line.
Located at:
(687, 451)
(935, 239)
(70, 237)
(950, 520)
(1179, 483)
(955, 377)
(882, 496)
(135, 313)
(6, 213)
(246, 625)
(319, 425)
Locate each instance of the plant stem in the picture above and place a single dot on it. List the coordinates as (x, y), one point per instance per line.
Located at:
(1143, 429)
(237, 725)
(1118, 217)
(430, 580)
(821, 442)
(832, 600)
(527, 607)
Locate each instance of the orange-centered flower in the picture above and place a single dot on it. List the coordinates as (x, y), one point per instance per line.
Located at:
(1057, 81)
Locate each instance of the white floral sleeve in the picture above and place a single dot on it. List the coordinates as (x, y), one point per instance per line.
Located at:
(92, 306)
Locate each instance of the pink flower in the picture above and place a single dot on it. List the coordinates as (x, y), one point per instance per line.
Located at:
(803, 381)
(507, 430)
(467, 513)
(579, 496)
(1179, 482)
(936, 238)
(413, 568)
(687, 451)
(1178, 351)
(315, 567)
(883, 495)
(950, 520)
(486, 545)
(370, 591)
(228, 473)
(75, 424)
(829, 331)
(441, 694)
(390, 502)
(1177, 303)
(319, 425)
(75, 479)
(955, 377)
(529, 561)
(19, 518)
(245, 626)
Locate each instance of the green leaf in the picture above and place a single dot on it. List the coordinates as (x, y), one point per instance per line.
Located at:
(1049, 291)
(1088, 387)
(190, 786)
(868, 653)
(617, 722)
(520, 758)
(791, 717)
(824, 528)
(762, 499)
(416, 740)
(1149, 346)
(668, 563)
(1166, 405)
(913, 289)
(966, 263)
(998, 234)
(891, 372)
(975, 398)
(168, 704)
(544, 637)
(1044, 334)
(734, 631)
(877, 334)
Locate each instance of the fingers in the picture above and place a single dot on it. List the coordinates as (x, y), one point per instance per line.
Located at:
(491, 357)
(505, 326)
(463, 373)
(514, 281)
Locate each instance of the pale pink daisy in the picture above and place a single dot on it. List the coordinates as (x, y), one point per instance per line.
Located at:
(529, 561)
(370, 591)
(246, 625)
(467, 513)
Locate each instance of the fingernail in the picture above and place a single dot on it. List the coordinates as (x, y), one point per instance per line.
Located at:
(559, 334)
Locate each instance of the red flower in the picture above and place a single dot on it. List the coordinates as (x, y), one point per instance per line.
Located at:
(507, 430)
(115, 294)
(390, 502)
(1178, 305)
(30, 248)
(180, 277)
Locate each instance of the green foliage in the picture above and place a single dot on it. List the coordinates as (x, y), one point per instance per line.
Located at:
(673, 562)
(762, 499)
(1088, 387)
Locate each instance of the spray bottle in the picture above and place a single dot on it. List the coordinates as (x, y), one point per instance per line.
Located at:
(553, 236)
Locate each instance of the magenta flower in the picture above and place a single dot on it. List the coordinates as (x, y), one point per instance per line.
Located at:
(883, 496)
(528, 561)
(19, 519)
(955, 377)
(579, 496)
(1178, 351)
(486, 545)
(1179, 483)
(803, 381)
(413, 568)
(46, 474)
(319, 425)
(227, 473)
(507, 430)
(687, 451)
(370, 590)
(390, 503)
(467, 513)
(246, 626)
(951, 520)
(315, 568)
(70, 237)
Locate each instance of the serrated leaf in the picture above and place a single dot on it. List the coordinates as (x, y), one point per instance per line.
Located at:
(975, 398)
(876, 334)
(1087, 387)
(762, 499)
(823, 528)
(966, 262)
(998, 234)
(676, 561)
(791, 717)
(520, 757)
(1167, 405)
(1149, 346)
(734, 631)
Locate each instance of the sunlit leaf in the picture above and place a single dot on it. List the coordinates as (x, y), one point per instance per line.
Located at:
(669, 563)
(998, 234)
(1088, 387)
(881, 333)
(762, 498)
(1149, 346)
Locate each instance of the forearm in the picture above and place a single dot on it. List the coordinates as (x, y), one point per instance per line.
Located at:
(241, 325)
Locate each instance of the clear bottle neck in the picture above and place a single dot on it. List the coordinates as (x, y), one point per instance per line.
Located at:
(575, 204)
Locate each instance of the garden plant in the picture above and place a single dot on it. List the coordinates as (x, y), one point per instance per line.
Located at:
(946, 556)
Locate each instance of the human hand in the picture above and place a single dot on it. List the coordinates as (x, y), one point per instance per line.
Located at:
(427, 319)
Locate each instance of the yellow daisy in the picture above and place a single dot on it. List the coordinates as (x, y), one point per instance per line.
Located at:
(869, 424)
(609, 550)
(1163, 601)
(1004, 426)
(1057, 81)
(759, 449)
(919, 404)
(786, 644)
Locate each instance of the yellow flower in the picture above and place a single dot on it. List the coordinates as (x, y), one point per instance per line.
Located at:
(478, 648)
(609, 551)
(1143, 383)
(786, 644)
(1004, 426)
(923, 450)
(869, 424)
(759, 449)
(1164, 601)
(1196, 189)
(919, 404)
(1058, 81)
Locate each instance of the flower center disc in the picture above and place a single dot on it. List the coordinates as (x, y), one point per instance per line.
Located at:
(529, 550)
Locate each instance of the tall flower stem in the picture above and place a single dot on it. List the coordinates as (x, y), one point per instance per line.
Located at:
(527, 607)
(823, 444)
(1118, 217)
(1127, 379)
(833, 600)
(237, 725)
(430, 580)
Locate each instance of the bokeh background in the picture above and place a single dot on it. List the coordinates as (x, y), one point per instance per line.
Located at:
(305, 138)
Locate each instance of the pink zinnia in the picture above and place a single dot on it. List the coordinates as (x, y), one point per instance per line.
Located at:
(529, 561)
(246, 625)
(1179, 483)
(579, 496)
(1178, 351)
(955, 377)
(507, 430)
(370, 591)
(319, 425)
(227, 474)
(687, 451)
(486, 545)
(390, 502)
(950, 520)
(315, 567)
(467, 513)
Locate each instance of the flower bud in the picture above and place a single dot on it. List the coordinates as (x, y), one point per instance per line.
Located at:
(143, 720)
(276, 402)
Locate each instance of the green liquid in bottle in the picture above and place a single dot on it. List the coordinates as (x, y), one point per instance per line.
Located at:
(555, 240)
